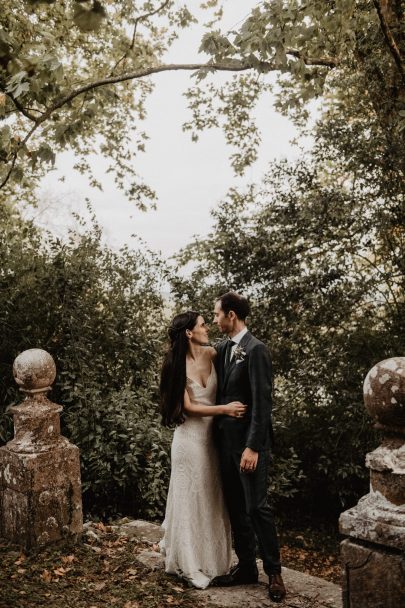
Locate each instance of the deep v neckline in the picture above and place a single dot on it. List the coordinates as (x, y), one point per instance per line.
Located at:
(207, 381)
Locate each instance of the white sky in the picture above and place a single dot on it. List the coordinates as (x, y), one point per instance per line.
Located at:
(190, 178)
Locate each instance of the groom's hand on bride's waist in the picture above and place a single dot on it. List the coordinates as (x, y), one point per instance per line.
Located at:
(248, 461)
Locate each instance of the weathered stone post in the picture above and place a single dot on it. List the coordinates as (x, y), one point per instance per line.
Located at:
(40, 489)
(373, 555)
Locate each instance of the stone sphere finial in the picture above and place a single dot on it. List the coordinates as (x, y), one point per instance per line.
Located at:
(384, 393)
(34, 371)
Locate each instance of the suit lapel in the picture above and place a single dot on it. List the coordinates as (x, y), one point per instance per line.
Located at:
(245, 340)
(227, 372)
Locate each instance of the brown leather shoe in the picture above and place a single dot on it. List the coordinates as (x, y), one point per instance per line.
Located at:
(277, 591)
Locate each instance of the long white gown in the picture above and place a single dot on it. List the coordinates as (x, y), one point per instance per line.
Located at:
(197, 534)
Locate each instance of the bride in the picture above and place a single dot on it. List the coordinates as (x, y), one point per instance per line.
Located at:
(197, 535)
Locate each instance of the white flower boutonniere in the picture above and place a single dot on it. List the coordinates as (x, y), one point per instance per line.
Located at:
(239, 354)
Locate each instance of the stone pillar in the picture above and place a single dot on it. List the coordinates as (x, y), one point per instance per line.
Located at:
(373, 554)
(40, 489)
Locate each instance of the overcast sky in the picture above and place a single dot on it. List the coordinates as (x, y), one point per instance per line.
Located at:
(190, 178)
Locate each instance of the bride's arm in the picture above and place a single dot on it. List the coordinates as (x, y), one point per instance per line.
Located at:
(236, 409)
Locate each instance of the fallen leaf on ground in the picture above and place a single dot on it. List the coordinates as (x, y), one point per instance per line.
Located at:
(61, 571)
(68, 559)
(21, 559)
(99, 586)
(132, 571)
(46, 576)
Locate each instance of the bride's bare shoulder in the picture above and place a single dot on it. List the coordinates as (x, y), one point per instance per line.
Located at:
(212, 353)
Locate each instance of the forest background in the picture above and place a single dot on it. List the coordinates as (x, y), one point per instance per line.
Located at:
(317, 245)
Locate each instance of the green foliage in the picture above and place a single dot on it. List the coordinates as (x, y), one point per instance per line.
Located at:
(50, 49)
(88, 18)
(315, 48)
(74, 75)
(100, 314)
(125, 452)
(285, 476)
(319, 247)
(232, 111)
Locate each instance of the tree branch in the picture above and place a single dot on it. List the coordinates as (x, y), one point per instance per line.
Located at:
(21, 108)
(389, 38)
(172, 67)
(22, 143)
(146, 16)
(328, 62)
(138, 20)
(18, 105)
(230, 67)
(8, 174)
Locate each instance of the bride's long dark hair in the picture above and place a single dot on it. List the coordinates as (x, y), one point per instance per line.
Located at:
(173, 374)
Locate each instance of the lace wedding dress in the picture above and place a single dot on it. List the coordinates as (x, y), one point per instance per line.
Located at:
(197, 535)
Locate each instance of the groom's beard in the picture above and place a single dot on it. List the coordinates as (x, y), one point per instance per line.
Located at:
(194, 341)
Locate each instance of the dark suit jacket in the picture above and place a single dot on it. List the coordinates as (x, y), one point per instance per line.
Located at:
(248, 381)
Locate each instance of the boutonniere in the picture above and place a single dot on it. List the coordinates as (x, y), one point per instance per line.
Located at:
(239, 354)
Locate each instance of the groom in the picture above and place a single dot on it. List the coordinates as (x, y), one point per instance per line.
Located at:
(245, 374)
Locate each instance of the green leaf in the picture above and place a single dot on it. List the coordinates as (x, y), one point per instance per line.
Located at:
(88, 19)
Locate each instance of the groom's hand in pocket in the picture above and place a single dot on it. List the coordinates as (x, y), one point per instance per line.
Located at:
(248, 461)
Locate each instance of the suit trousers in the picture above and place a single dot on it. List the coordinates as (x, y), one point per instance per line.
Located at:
(249, 511)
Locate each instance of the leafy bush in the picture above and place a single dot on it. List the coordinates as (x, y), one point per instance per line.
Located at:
(323, 266)
(99, 313)
(124, 453)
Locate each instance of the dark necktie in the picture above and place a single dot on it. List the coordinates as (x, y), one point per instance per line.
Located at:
(228, 353)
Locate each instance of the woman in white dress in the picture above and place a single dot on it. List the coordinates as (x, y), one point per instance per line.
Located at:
(197, 534)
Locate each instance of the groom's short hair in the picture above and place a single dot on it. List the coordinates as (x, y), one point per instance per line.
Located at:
(233, 301)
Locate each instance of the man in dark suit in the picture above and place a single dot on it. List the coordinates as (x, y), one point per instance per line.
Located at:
(245, 374)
